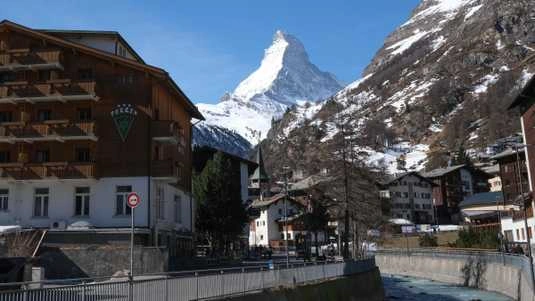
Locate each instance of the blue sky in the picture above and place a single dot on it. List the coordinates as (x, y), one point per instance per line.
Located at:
(210, 46)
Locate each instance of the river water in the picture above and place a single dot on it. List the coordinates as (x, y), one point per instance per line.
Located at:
(415, 289)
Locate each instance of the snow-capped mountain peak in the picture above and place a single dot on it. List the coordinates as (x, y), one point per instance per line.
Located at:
(285, 78)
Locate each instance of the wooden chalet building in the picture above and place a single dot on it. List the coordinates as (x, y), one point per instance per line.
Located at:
(452, 185)
(84, 121)
(524, 103)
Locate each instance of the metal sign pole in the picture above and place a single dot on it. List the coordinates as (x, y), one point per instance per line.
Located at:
(132, 244)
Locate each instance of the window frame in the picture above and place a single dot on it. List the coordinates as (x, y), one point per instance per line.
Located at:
(44, 202)
(85, 202)
(125, 209)
(4, 200)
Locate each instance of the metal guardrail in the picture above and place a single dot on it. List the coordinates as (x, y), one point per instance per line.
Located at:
(184, 286)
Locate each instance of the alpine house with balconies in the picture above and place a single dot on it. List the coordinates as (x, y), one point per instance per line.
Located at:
(84, 121)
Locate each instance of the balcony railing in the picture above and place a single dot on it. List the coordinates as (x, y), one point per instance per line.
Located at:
(166, 131)
(56, 130)
(24, 59)
(54, 90)
(48, 170)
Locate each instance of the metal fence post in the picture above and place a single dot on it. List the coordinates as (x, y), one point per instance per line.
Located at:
(26, 293)
(243, 276)
(222, 293)
(197, 286)
(83, 290)
(166, 288)
(130, 287)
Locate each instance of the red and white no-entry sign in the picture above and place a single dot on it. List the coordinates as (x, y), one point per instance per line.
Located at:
(133, 200)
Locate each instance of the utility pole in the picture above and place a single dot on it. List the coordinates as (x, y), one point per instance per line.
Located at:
(524, 208)
(286, 168)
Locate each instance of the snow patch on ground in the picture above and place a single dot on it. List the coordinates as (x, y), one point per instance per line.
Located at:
(486, 82)
(304, 111)
(438, 42)
(406, 43)
(472, 11)
(415, 157)
(449, 8)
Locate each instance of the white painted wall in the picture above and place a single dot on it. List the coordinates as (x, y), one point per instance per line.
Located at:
(102, 203)
(509, 224)
(267, 227)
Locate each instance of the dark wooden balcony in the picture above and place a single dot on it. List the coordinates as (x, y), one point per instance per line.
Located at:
(48, 170)
(24, 59)
(165, 170)
(166, 131)
(51, 91)
(52, 130)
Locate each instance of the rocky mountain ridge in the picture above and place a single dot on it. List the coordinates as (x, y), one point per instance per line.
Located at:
(441, 81)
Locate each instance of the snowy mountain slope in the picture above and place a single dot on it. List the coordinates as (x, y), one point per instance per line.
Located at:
(222, 139)
(285, 78)
(441, 80)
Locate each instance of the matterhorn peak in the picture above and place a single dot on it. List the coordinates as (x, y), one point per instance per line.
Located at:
(285, 77)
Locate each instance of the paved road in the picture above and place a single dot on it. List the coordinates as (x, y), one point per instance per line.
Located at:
(413, 289)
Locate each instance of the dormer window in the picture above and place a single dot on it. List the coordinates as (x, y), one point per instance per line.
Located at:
(121, 51)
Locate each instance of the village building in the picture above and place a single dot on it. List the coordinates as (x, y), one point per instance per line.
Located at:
(522, 195)
(410, 198)
(452, 185)
(83, 123)
(275, 221)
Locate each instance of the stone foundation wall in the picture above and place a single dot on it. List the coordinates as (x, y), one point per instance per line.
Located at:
(99, 261)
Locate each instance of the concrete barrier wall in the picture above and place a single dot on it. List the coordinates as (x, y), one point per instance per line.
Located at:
(506, 274)
(363, 286)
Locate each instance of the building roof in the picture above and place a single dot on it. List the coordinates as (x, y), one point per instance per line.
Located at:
(310, 182)
(155, 71)
(93, 33)
(268, 201)
(439, 172)
(484, 198)
(506, 153)
(402, 175)
(260, 173)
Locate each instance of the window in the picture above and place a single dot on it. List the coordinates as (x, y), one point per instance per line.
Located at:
(4, 199)
(126, 79)
(280, 211)
(43, 115)
(85, 74)
(6, 116)
(84, 114)
(4, 157)
(156, 114)
(517, 234)
(83, 155)
(261, 237)
(257, 223)
(121, 193)
(523, 234)
(417, 206)
(121, 51)
(282, 235)
(263, 223)
(405, 194)
(81, 199)
(160, 202)
(42, 156)
(529, 233)
(178, 209)
(290, 235)
(40, 205)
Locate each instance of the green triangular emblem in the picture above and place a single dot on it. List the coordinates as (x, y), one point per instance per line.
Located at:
(123, 117)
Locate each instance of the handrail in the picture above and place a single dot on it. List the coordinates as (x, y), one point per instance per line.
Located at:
(238, 269)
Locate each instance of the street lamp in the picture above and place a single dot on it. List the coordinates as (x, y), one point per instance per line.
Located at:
(521, 190)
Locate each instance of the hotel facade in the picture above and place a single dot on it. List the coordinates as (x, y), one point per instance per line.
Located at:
(84, 121)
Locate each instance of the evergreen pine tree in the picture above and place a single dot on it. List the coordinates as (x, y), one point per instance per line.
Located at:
(221, 215)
